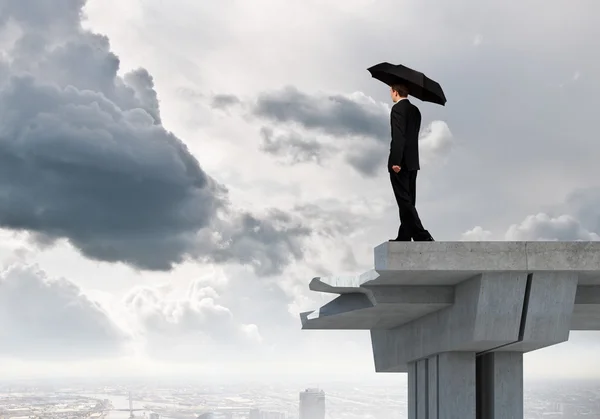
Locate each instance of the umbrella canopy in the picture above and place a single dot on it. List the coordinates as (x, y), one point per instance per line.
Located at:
(419, 85)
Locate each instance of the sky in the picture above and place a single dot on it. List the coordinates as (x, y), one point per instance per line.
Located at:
(173, 173)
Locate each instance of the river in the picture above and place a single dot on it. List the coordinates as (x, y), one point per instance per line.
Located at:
(122, 402)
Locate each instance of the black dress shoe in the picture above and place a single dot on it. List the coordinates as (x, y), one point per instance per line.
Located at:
(428, 239)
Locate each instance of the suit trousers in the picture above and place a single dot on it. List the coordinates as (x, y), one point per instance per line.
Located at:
(404, 184)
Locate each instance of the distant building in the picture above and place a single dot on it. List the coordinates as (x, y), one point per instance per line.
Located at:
(312, 404)
(207, 415)
(272, 415)
(154, 416)
(263, 414)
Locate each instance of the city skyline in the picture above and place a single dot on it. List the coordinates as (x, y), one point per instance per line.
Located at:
(351, 400)
(172, 174)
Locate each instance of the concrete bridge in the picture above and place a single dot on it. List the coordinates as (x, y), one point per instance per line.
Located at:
(458, 316)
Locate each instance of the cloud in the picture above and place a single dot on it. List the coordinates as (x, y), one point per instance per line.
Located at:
(191, 326)
(539, 227)
(294, 148)
(317, 127)
(335, 115)
(435, 141)
(267, 244)
(223, 101)
(84, 156)
(544, 227)
(583, 203)
(476, 234)
(46, 318)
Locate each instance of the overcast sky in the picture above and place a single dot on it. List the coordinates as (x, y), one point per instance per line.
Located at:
(173, 173)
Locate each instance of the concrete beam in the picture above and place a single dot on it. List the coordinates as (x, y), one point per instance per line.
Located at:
(494, 312)
(378, 308)
(586, 315)
(486, 314)
(389, 307)
(547, 311)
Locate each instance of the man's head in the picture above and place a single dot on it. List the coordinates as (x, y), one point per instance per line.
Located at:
(398, 91)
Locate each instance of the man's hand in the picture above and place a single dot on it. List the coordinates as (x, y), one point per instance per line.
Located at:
(396, 168)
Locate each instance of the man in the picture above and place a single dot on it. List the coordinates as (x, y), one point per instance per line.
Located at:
(403, 164)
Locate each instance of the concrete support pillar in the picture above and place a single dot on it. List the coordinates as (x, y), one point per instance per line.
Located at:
(500, 385)
(463, 385)
(443, 387)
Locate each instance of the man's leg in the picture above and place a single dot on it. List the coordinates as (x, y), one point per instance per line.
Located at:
(419, 234)
(403, 234)
(412, 186)
(401, 187)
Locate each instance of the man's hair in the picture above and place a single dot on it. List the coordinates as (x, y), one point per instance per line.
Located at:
(401, 89)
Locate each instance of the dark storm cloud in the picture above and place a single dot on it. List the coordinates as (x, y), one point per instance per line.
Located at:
(267, 244)
(293, 147)
(334, 115)
(223, 101)
(83, 155)
(360, 127)
(368, 159)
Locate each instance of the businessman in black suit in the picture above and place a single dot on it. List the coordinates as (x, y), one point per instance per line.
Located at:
(403, 164)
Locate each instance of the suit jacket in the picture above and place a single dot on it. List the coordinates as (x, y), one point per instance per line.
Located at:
(405, 121)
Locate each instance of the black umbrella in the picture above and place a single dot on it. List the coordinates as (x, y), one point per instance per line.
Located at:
(419, 85)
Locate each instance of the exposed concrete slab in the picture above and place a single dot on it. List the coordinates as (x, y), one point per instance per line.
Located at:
(450, 256)
(448, 263)
(581, 257)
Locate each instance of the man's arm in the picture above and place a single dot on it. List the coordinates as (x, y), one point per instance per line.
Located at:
(417, 120)
(398, 121)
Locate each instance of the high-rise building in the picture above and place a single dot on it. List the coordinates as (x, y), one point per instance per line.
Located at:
(312, 404)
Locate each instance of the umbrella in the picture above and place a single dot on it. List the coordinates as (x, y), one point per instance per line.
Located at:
(419, 85)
